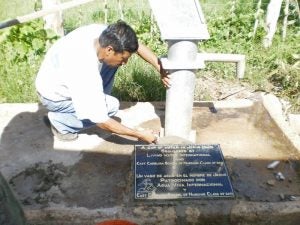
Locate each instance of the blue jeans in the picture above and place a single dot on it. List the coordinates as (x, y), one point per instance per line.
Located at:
(62, 114)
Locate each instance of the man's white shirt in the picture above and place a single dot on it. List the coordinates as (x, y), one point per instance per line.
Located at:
(71, 70)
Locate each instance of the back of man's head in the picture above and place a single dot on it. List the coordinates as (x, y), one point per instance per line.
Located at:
(120, 36)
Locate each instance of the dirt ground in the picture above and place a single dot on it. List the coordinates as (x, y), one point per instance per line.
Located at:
(209, 88)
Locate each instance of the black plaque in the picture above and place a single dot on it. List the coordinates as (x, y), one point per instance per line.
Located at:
(180, 171)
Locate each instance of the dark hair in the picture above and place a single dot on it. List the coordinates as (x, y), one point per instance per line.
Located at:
(120, 36)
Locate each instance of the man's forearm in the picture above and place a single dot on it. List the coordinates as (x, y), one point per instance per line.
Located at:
(149, 56)
(114, 126)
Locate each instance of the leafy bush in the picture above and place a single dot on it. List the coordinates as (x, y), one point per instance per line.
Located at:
(233, 33)
(22, 49)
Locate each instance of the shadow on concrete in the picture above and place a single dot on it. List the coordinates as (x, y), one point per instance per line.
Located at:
(41, 175)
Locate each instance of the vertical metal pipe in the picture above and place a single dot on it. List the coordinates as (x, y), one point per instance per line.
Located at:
(180, 97)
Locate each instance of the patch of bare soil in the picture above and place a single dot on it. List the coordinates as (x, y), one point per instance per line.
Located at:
(209, 88)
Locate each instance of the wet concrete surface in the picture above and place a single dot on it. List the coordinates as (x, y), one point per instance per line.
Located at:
(55, 180)
(251, 140)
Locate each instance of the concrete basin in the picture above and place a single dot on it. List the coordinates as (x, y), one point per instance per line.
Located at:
(91, 179)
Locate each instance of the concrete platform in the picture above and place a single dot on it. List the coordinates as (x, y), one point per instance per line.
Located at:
(91, 179)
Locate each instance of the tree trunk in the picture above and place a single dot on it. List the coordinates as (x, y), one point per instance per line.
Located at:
(53, 21)
(120, 10)
(285, 20)
(273, 12)
(258, 12)
(105, 11)
(232, 7)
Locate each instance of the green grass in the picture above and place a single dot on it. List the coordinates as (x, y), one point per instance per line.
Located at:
(138, 81)
(12, 9)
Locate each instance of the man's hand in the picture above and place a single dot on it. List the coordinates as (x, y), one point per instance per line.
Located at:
(148, 136)
(165, 77)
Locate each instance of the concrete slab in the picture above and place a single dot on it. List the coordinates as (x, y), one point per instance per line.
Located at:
(91, 180)
(294, 120)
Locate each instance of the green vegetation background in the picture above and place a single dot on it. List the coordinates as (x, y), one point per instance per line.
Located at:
(276, 69)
